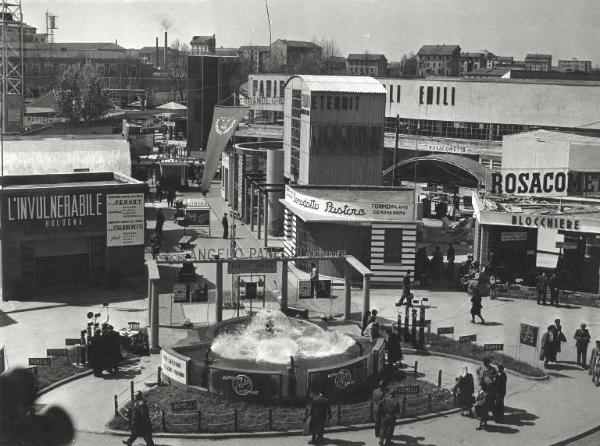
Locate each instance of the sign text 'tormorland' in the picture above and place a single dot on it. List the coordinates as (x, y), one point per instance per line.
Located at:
(545, 182)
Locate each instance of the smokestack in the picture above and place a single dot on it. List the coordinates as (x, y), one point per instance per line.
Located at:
(165, 54)
(156, 64)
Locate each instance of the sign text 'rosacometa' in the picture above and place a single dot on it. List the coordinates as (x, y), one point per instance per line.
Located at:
(544, 181)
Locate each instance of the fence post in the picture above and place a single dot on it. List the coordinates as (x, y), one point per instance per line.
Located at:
(403, 406)
(270, 419)
(339, 415)
(116, 406)
(159, 379)
(371, 412)
(235, 420)
(429, 403)
(416, 367)
(163, 420)
(199, 421)
(440, 379)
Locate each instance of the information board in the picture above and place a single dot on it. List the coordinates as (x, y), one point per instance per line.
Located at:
(174, 367)
(323, 289)
(72, 341)
(493, 347)
(304, 289)
(248, 266)
(409, 390)
(39, 361)
(445, 330)
(56, 352)
(184, 406)
(468, 338)
(529, 334)
(125, 222)
(197, 217)
(180, 292)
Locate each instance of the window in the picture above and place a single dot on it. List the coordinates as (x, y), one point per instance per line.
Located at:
(254, 88)
(268, 89)
(398, 93)
(421, 94)
(391, 93)
(445, 95)
(437, 95)
(392, 250)
(429, 95)
(452, 97)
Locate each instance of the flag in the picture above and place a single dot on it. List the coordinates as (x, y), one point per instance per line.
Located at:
(225, 121)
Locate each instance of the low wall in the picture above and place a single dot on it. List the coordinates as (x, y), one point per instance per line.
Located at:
(339, 379)
(245, 385)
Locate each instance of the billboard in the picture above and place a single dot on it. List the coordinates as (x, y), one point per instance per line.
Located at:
(125, 222)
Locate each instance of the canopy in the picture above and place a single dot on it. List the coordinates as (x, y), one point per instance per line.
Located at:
(172, 106)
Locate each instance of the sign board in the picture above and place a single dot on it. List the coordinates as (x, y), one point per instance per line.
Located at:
(445, 330)
(424, 323)
(493, 347)
(529, 334)
(409, 390)
(566, 245)
(323, 289)
(56, 352)
(196, 203)
(254, 385)
(445, 148)
(125, 224)
(174, 367)
(340, 379)
(513, 236)
(468, 338)
(250, 266)
(197, 217)
(304, 289)
(72, 341)
(184, 406)
(174, 256)
(180, 292)
(39, 361)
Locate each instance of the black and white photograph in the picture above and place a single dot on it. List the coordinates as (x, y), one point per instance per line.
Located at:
(291, 222)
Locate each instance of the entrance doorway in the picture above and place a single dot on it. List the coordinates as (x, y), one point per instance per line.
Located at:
(62, 270)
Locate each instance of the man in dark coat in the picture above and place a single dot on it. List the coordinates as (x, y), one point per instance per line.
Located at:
(582, 339)
(225, 224)
(541, 288)
(141, 426)
(160, 221)
(389, 408)
(320, 412)
(450, 257)
(554, 292)
(113, 348)
(500, 385)
(95, 351)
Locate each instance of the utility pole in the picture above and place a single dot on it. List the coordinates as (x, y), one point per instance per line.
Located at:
(395, 151)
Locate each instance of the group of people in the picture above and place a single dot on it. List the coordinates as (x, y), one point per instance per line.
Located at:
(551, 343)
(490, 398)
(542, 285)
(104, 350)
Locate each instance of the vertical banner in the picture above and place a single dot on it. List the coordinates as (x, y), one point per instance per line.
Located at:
(2, 360)
(225, 121)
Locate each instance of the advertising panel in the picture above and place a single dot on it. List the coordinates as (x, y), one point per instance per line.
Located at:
(245, 385)
(174, 366)
(528, 334)
(341, 379)
(124, 219)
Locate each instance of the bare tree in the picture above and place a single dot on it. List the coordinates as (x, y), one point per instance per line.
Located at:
(329, 52)
(178, 67)
(275, 61)
(409, 64)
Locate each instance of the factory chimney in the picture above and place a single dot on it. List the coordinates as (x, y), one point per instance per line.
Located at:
(156, 60)
(165, 54)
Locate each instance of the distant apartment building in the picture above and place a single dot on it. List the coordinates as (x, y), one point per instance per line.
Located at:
(500, 62)
(538, 62)
(200, 45)
(255, 56)
(367, 64)
(472, 61)
(294, 55)
(567, 66)
(439, 60)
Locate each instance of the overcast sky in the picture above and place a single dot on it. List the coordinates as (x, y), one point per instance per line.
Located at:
(563, 28)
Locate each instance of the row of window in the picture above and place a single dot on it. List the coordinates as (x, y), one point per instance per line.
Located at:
(295, 137)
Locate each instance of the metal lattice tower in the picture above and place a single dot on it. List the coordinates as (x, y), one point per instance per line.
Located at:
(11, 55)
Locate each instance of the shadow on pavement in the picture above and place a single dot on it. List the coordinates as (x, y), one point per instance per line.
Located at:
(6, 320)
(492, 323)
(517, 417)
(123, 374)
(408, 440)
(558, 375)
(501, 429)
(563, 366)
(338, 442)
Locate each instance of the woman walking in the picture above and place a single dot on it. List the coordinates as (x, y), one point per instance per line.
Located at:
(463, 392)
(547, 345)
(476, 305)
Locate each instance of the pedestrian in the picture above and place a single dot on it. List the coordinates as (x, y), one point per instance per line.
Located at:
(450, 256)
(476, 305)
(559, 338)
(582, 339)
(171, 195)
(95, 353)
(500, 385)
(463, 392)
(492, 285)
(437, 263)
(547, 345)
(114, 349)
(225, 224)
(406, 284)
(554, 289)
(141, 426)
(376, 398)
(314, 278)
(369, 319)
(159, 191)
(455, 206)
(491, 262)
(541, 289)
(393, 348)
(320, 412)
(388, 411)
(486, 373)
(482, 407)
(595, 364)
(160, 221)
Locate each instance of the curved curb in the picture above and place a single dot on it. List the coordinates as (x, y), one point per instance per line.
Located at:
(474, 361)
(64, 381)
(576, 437)
(273, 434)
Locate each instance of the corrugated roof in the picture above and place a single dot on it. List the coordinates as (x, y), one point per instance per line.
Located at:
(538, 56)
(438, 50)
(365, 56)
(548, 135)
(342, 84)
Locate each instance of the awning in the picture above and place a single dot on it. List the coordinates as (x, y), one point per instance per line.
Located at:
(308, 216)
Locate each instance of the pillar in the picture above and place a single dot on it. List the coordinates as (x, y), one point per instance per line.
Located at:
(154, 346)
(274, 175)
(245, 201)
(149, 319)
(252, 206)
(219, 300)
(366, 296)
(266, 217)
(258, 216)
(284, 286)
(347, 290)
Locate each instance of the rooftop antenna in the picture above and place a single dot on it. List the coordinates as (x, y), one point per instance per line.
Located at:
(269, 20)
